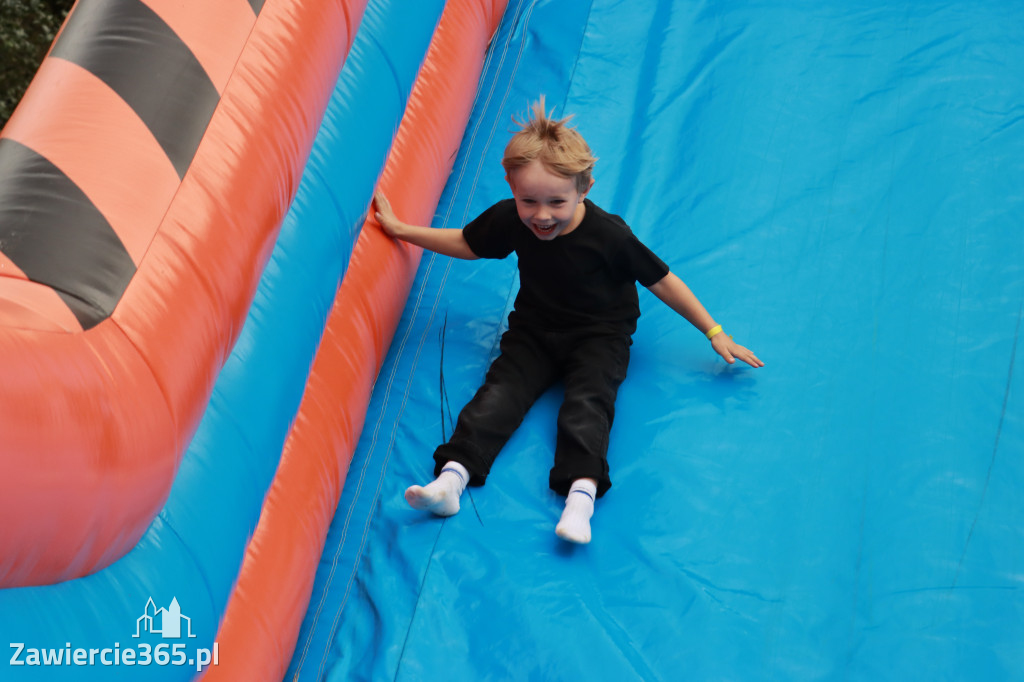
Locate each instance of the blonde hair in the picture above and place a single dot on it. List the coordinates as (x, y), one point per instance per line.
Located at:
(561, 149)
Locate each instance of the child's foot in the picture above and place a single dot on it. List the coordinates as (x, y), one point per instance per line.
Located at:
(442, 495)
(574, 525)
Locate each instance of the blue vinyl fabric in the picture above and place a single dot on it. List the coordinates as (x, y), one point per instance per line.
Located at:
(195, 546)
(840, 183)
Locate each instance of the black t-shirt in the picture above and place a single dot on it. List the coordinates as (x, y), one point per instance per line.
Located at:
(583, 279)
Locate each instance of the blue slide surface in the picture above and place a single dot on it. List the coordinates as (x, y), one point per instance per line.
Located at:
(840, 184)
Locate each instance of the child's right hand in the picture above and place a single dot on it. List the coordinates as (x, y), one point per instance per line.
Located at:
(385, 215)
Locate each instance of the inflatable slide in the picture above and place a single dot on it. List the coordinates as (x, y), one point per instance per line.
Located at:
(219, 377)
(839, 184)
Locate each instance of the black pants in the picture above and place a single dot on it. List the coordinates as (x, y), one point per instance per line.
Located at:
(592, 368)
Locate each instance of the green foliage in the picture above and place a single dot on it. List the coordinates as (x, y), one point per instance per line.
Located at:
(27, 27)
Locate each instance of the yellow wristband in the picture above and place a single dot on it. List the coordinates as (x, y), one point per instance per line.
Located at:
(714, 330)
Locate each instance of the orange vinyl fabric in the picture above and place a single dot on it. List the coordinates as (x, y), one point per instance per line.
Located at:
(55, 126)
(88, 462)
(213, 33)
(262, 620)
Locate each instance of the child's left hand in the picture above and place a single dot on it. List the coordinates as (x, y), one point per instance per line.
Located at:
(730, 350)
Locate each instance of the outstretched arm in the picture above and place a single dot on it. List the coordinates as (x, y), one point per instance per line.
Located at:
(446, 241)
(677, 296)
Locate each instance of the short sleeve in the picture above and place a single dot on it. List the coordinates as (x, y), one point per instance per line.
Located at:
(641, 263)
(490, 234)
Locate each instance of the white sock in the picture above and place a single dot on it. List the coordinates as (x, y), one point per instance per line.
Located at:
(574, 525)
(442, 495)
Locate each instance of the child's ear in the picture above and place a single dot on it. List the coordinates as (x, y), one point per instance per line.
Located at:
(585, 192)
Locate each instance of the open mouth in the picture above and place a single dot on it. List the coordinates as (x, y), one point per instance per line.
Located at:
(545, 229)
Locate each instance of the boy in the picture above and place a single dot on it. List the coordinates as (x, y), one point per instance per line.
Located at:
(573, 319)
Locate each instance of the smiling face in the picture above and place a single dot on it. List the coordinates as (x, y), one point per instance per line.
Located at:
(548, 204)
